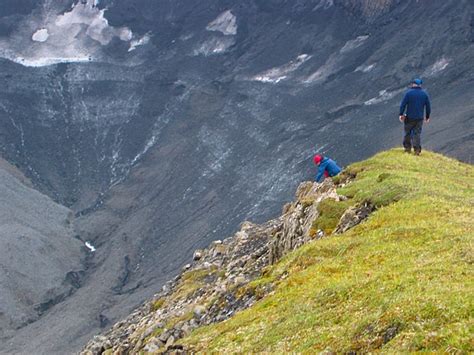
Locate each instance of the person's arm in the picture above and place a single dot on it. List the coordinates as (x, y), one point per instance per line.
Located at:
(428, 108)
(321, 170)
(403, 106)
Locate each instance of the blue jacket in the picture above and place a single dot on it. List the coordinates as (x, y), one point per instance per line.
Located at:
(328, 165)
(416, 99)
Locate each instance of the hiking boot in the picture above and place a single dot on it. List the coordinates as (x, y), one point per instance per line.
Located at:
(408, 150)
(417, 152)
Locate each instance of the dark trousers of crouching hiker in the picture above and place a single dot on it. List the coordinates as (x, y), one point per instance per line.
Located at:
(412, 135)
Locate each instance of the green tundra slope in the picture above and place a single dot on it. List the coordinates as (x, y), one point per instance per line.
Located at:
(400, 281)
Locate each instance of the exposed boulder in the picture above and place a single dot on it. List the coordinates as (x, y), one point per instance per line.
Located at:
(353, 216)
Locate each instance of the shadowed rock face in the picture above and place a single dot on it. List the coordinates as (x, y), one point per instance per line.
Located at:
(40, 260)
(165, 124)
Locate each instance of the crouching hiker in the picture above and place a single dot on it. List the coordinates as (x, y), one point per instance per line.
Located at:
(326, 167)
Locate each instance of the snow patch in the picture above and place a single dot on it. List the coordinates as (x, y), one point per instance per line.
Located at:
(149, 144)
(277, 74)
(324, 71)
(437, 67)
(186, 37)
(353, 44)
(76, 35)
(42, 62)
(384, 95)
(139, 42)
(41, 35)
(365, 68)
(97, 27)
(90, 247)
(214, 46)
(225, 23)
(335, 61)
(160, 123)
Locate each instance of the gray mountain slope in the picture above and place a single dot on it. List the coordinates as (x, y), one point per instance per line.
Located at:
(166, 147)
(38, 252)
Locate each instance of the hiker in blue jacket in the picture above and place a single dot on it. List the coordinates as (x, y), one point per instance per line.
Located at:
(326, 167)
(415, 101)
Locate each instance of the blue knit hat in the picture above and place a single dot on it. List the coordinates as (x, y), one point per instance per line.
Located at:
(417, 81)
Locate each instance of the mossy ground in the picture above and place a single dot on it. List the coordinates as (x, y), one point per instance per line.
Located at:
(401, 281)
(330, 212)
(191, 282)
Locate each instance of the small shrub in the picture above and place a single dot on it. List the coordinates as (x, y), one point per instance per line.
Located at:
(306, 202)
(193, 281)
(156, 305)
(347, 175)
(330, 212)
(382, 177)
(374, 336)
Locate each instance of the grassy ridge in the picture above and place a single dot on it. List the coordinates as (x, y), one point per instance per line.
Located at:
(401, 281)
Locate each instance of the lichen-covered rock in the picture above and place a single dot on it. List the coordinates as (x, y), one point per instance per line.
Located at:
(153, 346)
(353, 216)
(96, 346)
(199, 311)
(297, 221)
(197, 255)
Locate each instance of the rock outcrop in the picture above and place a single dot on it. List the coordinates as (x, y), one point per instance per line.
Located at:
(353, 216)
(218, 283)
(298, 219)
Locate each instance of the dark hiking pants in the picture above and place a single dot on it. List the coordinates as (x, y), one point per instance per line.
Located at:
(412, 134)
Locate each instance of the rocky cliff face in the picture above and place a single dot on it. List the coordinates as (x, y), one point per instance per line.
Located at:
(218, 283)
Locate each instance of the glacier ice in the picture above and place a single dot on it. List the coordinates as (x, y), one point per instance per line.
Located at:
(76, 35)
